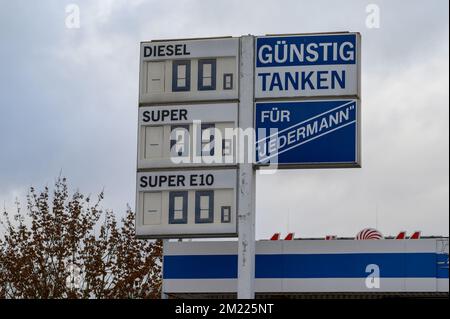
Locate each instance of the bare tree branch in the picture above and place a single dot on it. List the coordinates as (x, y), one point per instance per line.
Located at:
(60, 249)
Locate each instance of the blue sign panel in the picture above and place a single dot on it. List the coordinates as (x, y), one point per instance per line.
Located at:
(308, 133)
(313, 266)
(307, 65)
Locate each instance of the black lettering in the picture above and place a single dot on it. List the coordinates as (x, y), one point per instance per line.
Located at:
(209, 179)
(143, 181)
(180, 180)
(156, 116)
(162, 180)
(165, 113)
(172, 180)
(178, 49)
(145, 117)
(161, 50)
(147, 51)
(174, 115)
(185, 52)
(193, 181)
(169, 50)
(183, 114)
(152, 181)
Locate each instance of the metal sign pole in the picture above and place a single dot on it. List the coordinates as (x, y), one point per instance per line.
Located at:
(163, 294)
(246, 182)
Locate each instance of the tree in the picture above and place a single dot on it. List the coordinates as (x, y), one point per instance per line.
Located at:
(68, 247)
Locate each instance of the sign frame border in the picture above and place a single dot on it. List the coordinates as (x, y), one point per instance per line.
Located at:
(313, 165)
(358, 65)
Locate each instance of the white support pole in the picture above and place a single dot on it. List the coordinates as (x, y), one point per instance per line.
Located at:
(163, 289)
(246, 183)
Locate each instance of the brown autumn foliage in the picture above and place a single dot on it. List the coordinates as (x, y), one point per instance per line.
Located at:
(66, 247)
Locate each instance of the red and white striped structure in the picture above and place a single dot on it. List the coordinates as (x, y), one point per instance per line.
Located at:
(369, 234)
(416, 235)
(290, 236)
(401, 235)
(275, 236)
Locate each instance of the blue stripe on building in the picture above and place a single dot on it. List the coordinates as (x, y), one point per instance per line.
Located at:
(392, 265)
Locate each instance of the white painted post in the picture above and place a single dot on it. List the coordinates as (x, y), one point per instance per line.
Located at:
(246, 183)
(163, 289)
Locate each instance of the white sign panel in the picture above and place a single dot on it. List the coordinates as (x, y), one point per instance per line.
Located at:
(187, 135)
(186, 204)
(189, 70)
(187, 113)
(186, 180)
(307, 65)
(188, 49)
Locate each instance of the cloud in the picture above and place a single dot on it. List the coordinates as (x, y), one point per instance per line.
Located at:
(69, 102)
(403, 184)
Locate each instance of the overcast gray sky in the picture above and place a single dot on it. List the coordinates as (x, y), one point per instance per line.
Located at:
(68, 102)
